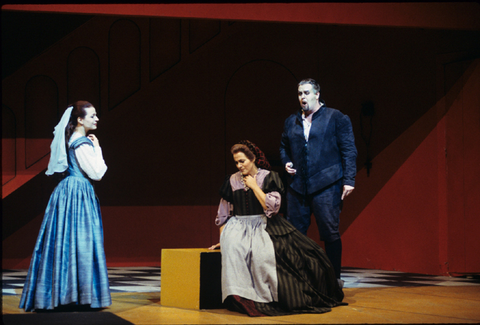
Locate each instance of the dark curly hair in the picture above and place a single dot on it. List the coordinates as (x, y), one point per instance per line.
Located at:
(252, 152)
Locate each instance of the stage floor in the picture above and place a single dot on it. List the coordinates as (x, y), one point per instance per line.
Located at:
(373, 296)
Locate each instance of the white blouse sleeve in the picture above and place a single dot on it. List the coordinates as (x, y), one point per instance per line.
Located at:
(90, 159)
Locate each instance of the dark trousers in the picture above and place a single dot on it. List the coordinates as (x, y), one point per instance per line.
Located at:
(326, 206)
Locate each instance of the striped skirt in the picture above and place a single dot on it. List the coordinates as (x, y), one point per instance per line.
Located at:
(306, 279)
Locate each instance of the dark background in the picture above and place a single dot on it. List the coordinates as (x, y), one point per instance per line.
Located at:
(174, 94)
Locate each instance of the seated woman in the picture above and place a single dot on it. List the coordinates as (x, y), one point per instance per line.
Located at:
(268, 267)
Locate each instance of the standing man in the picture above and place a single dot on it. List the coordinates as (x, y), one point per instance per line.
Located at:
(319, 154)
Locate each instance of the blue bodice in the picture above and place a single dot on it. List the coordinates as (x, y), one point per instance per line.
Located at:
(73, 166)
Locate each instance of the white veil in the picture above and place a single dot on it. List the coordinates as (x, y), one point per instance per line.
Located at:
(58, 155)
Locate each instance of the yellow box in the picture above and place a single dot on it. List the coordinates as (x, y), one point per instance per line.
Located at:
(191, 278)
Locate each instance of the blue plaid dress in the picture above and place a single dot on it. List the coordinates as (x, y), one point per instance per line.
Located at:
(68, 264)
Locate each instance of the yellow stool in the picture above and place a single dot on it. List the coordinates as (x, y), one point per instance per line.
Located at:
(191, 278)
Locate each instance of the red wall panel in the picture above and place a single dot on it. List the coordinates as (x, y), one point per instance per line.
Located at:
(425, 15)
(423, 220)
(398, 230)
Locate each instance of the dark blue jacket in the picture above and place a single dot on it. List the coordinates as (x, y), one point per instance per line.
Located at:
(329, 155)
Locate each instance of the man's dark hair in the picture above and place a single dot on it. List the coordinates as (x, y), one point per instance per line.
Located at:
(315, 85)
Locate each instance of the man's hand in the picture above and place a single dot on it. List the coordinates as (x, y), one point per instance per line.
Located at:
(289, 169)
(347, 189)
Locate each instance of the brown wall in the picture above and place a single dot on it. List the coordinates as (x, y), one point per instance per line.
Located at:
(175, 94)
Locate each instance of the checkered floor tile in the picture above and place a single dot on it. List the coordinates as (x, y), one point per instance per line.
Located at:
(147, 279)
(362, 278)
(121, 279)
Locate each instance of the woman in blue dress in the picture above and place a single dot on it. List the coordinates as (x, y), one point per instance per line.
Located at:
(68, 265)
